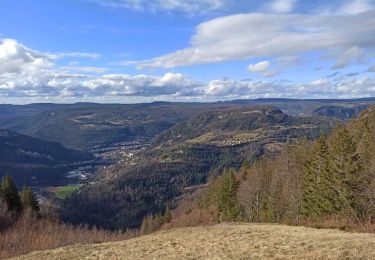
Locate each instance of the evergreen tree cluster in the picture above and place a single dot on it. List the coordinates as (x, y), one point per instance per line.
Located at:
(221, 196)
(309, 180)
(330, 179)
(17, 202)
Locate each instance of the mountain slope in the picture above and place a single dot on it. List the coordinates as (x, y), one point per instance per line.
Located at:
(21, 149)
(263, 118)
(227, 241)
(32, 161)
(341, 112)
(92, 126)
(186, 155)
(330, 181)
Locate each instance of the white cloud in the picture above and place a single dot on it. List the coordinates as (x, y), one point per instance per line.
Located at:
(127, 63)
(76, 54)
(258, 67)
(246, 36)
(16, 58)
(355, 7)
(282, 6)
(320, 88)
(85, 69)
(319, 82)
(280, 64)
(33, 77)
(141, 85)
(353, 53)
(56, 86)
(190, 7)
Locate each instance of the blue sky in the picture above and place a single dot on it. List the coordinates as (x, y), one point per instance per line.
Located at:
(139, 51)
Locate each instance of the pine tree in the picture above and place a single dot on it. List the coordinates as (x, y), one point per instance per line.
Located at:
(227, 202)
(364, 137)
(9, 195)
(28, 200)
(346, 168)
(317, 193)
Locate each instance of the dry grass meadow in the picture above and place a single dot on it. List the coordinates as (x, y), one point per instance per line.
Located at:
(227, 241)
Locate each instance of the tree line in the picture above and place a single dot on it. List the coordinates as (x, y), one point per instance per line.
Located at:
(26, 226)
(331, 177)
(15, 201)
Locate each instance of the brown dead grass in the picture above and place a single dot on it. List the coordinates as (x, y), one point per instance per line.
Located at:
(29, 233)
(195, 217)
(340, 222)
(227, 241)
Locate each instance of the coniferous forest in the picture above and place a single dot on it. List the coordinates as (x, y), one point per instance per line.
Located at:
(328, 182)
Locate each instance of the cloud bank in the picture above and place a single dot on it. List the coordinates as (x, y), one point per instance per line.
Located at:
(344, 38)
(28, 75)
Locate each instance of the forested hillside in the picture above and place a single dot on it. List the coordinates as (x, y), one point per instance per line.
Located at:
(340, 112)
(21, 149)
(329, 182)
(199, 148)
(190, 143)
(32, 161)
(219, 122)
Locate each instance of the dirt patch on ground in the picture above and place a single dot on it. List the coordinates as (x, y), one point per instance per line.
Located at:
(227, 241)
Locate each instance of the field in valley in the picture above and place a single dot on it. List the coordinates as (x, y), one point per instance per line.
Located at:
(227, 241)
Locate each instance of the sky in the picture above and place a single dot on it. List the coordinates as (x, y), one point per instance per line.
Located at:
(128, 51)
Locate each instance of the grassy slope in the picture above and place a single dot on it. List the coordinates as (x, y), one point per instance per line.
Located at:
(66, 191)
(227, 241)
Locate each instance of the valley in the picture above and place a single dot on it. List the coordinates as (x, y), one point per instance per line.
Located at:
(187, 155)
(166, 146)
(166, 157)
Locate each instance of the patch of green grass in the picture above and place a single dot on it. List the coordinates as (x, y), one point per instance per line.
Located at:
(202, 138)
(66, 191)
(224, 136)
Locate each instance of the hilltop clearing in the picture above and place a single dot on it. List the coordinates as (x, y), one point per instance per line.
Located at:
(227, 241)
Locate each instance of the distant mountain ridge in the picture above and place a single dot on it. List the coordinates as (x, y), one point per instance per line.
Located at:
(89, 126)
(233, 120)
